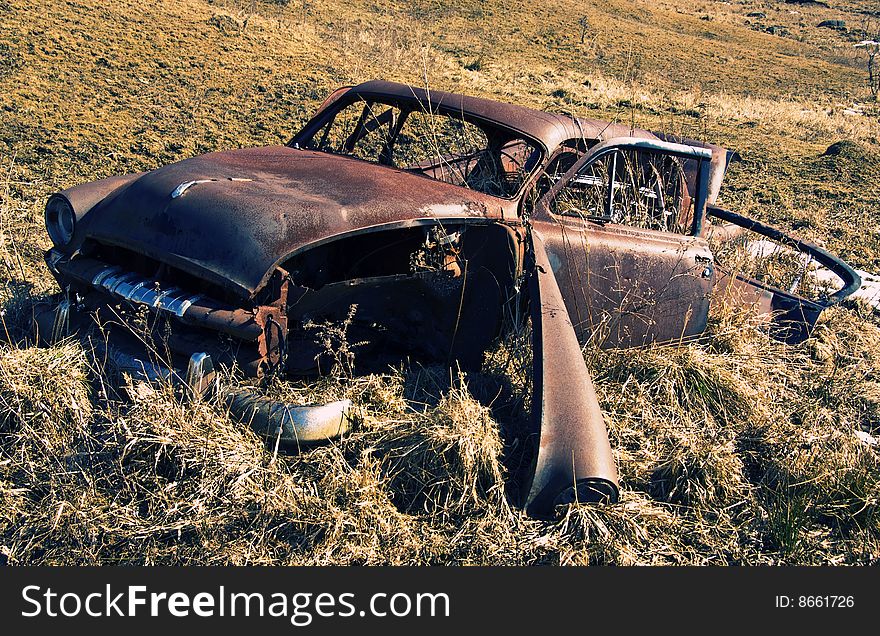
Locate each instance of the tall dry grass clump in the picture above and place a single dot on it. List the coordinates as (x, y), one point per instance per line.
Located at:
(633, 532)
(445, 460)
(157, 479)
(45, 397)
(752, 443)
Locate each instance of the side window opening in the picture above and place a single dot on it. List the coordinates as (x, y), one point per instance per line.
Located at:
(571, 151)
(641, 189)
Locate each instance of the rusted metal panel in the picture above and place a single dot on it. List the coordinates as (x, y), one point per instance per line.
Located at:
(574, 459)
(263, 204)
(623, 285)
(85, 197)
(272, 319)
(628, 287)
(793, 317)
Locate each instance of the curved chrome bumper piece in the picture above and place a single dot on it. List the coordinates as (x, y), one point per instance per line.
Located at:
(292, 424)
(274, 419)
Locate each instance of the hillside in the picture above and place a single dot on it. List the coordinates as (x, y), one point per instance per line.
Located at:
(734, 450)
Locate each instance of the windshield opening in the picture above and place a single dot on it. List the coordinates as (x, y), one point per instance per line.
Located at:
(444, 146)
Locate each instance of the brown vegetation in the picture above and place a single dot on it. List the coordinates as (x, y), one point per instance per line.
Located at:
(733, 450)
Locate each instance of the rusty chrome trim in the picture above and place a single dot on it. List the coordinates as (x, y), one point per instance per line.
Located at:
(200, 312)
(199, 373)
(186, 185)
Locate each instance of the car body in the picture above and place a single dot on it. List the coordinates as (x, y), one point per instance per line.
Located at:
(429, 223)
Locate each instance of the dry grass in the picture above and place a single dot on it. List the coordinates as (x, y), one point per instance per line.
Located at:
(732, 450)
(736, 450)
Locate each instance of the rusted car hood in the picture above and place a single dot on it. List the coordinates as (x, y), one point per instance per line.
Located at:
(249, 209)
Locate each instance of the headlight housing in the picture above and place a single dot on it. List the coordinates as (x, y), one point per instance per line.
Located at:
(60, 220)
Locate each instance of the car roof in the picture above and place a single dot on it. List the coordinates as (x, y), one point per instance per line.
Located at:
(549, 128)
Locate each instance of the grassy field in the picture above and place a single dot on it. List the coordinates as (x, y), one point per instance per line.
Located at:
(735, 450)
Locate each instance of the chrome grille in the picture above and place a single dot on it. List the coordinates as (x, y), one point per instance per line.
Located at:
(144, 291)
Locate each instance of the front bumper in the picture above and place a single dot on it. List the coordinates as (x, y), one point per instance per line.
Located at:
(192, 372)
(233, 336)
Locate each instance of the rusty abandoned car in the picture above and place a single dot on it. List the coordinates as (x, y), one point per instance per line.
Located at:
(431, 222)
